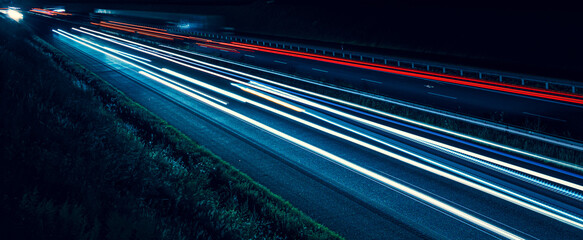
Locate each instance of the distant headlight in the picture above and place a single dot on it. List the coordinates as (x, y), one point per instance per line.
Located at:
(14, 14)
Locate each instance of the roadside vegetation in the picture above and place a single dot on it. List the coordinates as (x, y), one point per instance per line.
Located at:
(80, 160)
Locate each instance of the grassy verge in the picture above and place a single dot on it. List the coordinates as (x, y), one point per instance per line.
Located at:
(80, 160)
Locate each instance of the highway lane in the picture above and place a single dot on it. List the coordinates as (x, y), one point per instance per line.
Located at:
(549, 116)
(314, 137)
(337, 204)
(545, 115)
(430, 183)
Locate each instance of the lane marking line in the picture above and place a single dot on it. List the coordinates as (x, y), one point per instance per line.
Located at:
(279, 62)
(247, 55)
(320, 70)
(445, 96)
(541, 116)
(364, 79)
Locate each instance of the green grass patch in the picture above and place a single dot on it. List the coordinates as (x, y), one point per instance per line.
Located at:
(80, 160)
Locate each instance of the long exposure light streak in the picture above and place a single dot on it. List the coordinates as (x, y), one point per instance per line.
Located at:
(265, 107)
(128, 55)
(174, 61)
(534, 92)
(231, 78)
(559, 215)
(142, 29)
(425, 141)
(354, 167)
(565, 97)
(257, 47)
(272, 82)
(408, 105)
(96, 47)
(139, 26)
(269, 98)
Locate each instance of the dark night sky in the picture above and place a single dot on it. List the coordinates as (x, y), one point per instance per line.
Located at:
(518, 31)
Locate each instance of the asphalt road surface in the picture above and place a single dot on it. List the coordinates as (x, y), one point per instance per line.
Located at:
(362, 176)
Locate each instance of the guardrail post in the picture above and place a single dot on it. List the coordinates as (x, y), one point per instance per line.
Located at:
(323, 52)
(443, 69)
(546, 85)
(461, 72)
(399, 64)
(500, 77)
(428, 67)
(360, 57)
(573, 89)
(522, 81)
(372, 59)
(385, 61)
(480, 75)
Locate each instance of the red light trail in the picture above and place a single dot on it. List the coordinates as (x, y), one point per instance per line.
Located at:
(540, 93)
(503, 87)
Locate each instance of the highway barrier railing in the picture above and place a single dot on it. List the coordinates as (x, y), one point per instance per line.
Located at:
(526, 134)
(554, 84)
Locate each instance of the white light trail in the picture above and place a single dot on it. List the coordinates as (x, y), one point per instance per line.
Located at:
(94, 47)
(417, 138)
(205, 85)
(269, 98)
(556, 214)
(541, 208)
(559, 215)
(352, 104)
(463, 136)
(354, 167)
(480, 123)
(178, 87)
(152, 53)
(14, 14)
(127, 54)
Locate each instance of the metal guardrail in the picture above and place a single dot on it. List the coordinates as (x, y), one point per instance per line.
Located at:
(506, 128)
(464, 71)
(564, 142)
(476, 121)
